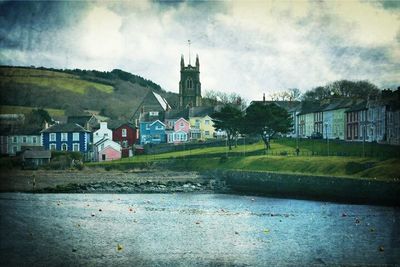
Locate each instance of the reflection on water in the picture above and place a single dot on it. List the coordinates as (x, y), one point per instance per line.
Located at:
(193, 229)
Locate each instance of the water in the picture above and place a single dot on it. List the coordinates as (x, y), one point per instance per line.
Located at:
(192, 230)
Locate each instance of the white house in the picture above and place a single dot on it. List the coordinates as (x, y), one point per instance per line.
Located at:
(102, 133)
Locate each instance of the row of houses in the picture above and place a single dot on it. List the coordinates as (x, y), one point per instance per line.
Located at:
(372, 120)
(84, 134)
(155, 122)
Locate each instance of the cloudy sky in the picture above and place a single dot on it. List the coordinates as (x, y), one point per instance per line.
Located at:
(247, 47)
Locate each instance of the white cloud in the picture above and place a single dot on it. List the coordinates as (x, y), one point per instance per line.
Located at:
(246, 47)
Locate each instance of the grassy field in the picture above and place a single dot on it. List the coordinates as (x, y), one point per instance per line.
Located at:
(251, 158)
(25, 110)
(341, 148)
(50, 79)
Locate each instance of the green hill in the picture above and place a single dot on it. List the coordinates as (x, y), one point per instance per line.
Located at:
(116, 94)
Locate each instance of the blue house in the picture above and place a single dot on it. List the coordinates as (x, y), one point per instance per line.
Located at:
(66, 137)
(152, 132)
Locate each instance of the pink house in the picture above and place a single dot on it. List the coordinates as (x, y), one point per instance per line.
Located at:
(106, 150)
(180, 133)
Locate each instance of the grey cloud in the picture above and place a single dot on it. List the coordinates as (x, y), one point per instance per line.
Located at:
(32, 25)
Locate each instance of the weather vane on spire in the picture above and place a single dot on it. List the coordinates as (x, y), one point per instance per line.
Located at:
(189, 50)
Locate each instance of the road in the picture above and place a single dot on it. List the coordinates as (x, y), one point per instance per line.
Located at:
(193, 230)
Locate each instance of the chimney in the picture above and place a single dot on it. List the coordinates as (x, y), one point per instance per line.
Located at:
(103, 125)
(264, 97)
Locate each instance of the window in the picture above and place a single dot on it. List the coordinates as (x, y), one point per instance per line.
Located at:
(124, 144)
(207, 122)
(34, 139)
(64, 147)
(24, 139)
(75, 137)
(52, 137)
(15, 139)
(207, 133)
(14, 149)
(75, 147)
(189, 83)
(153, 113)
(52, 146)
(64, 136)
(159, 127)
(181, 125)
(124, 132)
(147, 127)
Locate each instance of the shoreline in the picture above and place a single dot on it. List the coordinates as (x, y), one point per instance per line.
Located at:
(296, 186)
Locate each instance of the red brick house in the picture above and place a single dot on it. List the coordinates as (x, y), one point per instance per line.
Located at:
(126, 135)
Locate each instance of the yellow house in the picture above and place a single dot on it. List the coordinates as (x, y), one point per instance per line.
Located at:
(201, 128)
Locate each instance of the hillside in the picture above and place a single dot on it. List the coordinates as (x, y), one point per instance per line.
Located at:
(116, 94)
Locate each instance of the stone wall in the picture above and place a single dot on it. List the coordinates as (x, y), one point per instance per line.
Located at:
(327, 188)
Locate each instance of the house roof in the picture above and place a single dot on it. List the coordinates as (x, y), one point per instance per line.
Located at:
(309, 107)
(359, 106)
(37, 154)
(177, 113)
(114, 124)
(157, 121)
(65, 127)
(23, 129)
(200, 111)
(283, 104)
(163, 102)
(81, 120)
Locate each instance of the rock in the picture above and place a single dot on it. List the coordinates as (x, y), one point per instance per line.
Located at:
(119, 247)
(186, 186)
(100, 210)
(381, 249)
(93, 214)
(344, 214)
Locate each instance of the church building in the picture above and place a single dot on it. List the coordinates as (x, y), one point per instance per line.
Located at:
(189, 85)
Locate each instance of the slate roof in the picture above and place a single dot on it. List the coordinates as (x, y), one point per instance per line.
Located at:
(358, 106)
(163, 102)
(201, 111)
(81, 120)
(177, 113)
(309, 107)
(65, 128)
(114, 124)
(23, 129)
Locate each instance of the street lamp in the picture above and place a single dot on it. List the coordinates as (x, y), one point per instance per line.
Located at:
(327, 139)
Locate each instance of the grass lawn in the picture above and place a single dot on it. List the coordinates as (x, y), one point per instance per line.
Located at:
(26, 110)
(341, 148)
(214, 158)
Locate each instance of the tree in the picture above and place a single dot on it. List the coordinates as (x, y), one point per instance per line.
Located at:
(342, 89)
(228, 119)
(266, 120)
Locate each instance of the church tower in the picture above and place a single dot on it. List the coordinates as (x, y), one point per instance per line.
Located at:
(189, 85)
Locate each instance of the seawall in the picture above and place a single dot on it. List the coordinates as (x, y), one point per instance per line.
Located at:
(326, 188)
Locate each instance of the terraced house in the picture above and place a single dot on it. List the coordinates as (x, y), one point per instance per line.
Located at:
(66, 137)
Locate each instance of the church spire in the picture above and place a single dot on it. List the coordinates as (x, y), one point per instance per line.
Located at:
(189, 51)
(182, 62)
(197, 62)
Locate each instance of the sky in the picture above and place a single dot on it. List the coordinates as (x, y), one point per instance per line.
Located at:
(246, 47)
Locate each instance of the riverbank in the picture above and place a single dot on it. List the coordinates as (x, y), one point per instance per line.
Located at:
(98, 180)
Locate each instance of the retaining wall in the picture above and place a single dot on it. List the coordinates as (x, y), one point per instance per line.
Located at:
(353, 190)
